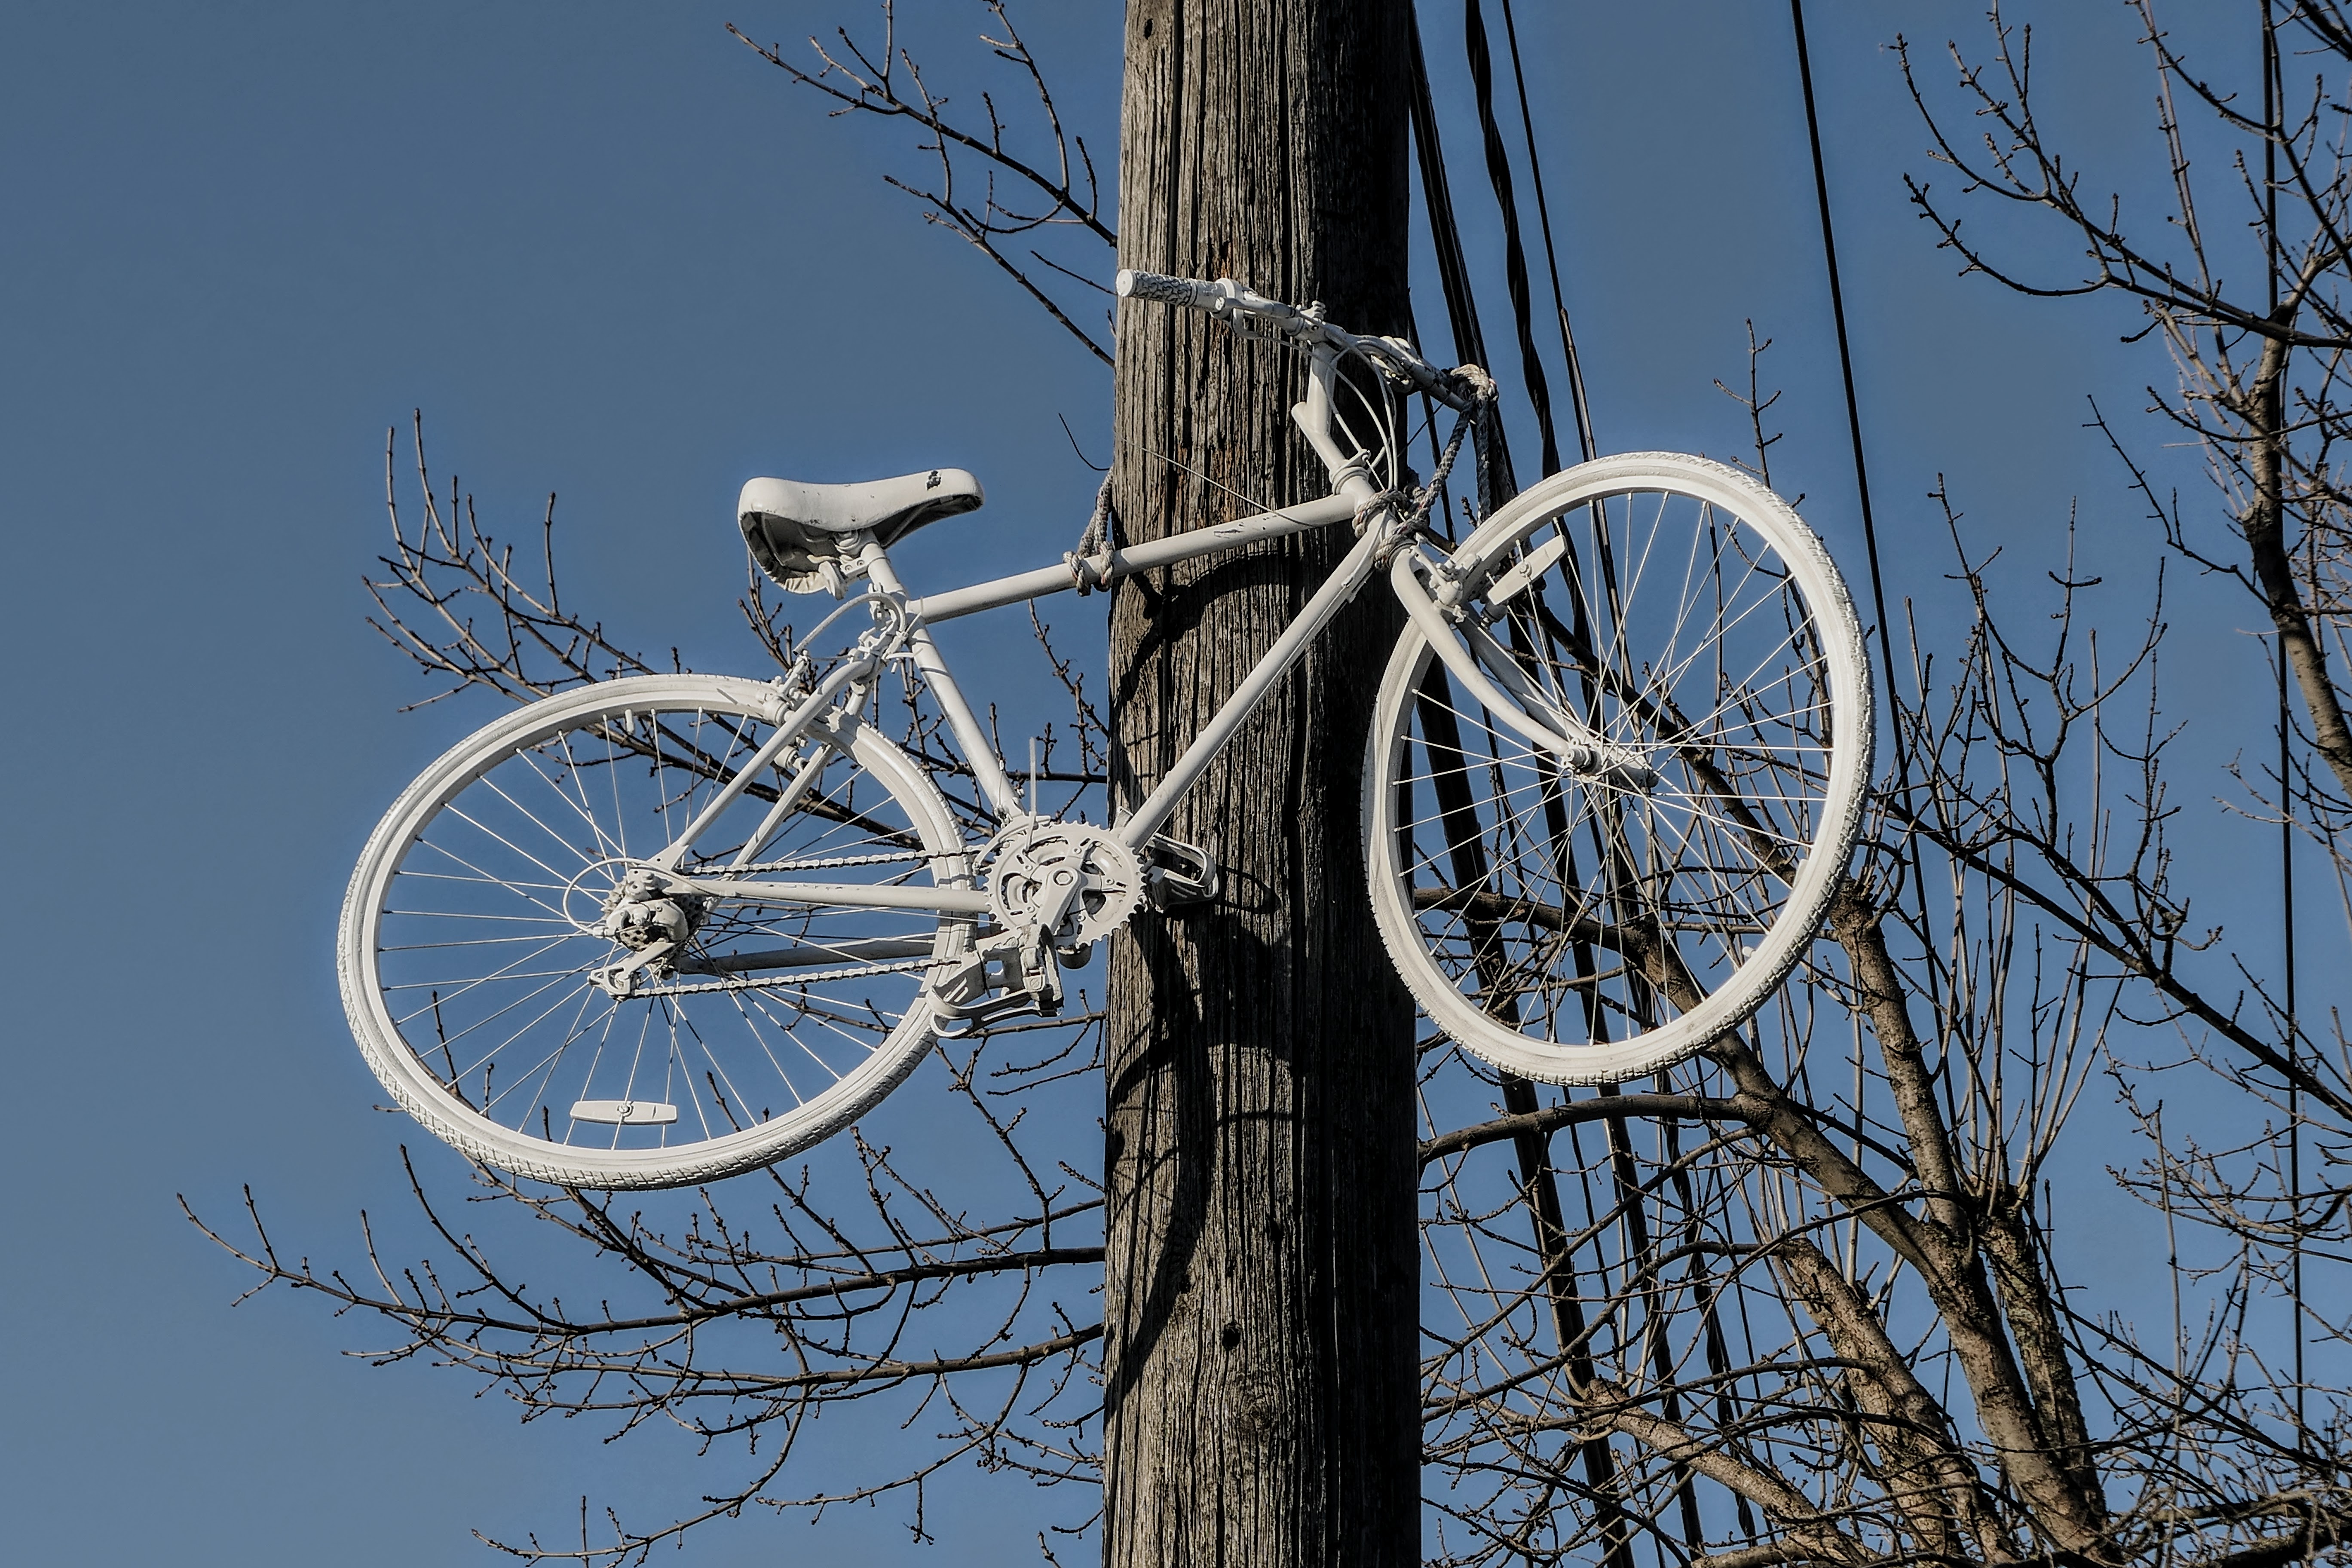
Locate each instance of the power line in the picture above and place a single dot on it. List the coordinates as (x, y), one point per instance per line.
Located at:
(1587, 444)
(1845, 363)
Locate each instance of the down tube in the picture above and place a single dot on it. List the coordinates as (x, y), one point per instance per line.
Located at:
(1341, 587)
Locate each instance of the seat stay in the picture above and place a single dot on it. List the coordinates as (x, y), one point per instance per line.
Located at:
(788, 800)
(789, 731)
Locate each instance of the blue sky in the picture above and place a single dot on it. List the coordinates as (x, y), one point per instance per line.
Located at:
(611, 254)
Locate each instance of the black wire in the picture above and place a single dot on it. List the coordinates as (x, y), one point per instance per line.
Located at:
(1453, 270)
(1496, 485)
(1911, 851)
(1586, 444)
(1515, 256)
(1845, 367)
(2271, 116)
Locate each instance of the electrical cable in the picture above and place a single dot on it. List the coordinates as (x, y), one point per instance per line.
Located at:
(1910, 857)
(1515, 256)
(1845, 366)
(1587, 444)
(1453, 270)
(1496, 485)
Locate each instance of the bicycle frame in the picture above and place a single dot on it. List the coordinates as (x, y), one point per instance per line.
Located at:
(1382, 543)
(1354, 496)
(995, 784)
(1615, 769)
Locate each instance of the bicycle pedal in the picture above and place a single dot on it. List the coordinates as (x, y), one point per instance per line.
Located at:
(1176, 874)
(959, 1001)
(953, 1020)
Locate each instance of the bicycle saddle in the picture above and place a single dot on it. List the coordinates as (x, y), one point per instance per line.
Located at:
(795, 531)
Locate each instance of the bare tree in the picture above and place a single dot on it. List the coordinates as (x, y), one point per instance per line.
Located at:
(2242, 276)
(1025, 196)
(1805, 1299)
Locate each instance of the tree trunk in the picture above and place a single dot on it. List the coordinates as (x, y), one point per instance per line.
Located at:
(1261, 1286)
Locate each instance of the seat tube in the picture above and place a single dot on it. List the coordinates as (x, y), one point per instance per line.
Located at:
(987, 768)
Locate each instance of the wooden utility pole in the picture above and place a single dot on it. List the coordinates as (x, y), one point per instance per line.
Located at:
(1261, 1285)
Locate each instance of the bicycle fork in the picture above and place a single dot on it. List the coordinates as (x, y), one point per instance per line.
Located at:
(1457, 632)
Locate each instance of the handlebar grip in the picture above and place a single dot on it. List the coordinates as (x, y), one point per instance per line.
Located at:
(1162, 289)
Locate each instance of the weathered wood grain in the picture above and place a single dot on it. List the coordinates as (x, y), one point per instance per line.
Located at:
(1260, 1293)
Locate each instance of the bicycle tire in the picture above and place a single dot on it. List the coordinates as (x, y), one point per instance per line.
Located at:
(468, 940)
(1598, 929)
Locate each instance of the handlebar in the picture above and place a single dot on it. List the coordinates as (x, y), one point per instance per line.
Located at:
(1160, 289)
(1246, 310)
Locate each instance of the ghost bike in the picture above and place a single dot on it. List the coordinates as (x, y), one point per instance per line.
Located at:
(662, 930)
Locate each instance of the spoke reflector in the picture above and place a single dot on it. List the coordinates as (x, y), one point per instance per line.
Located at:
(616, 1113)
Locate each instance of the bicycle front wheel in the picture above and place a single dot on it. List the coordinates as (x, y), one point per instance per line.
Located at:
(494, 955)
(1598, 927)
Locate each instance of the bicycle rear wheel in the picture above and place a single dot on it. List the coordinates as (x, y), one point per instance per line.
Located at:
(478, 938)
(1598, 928)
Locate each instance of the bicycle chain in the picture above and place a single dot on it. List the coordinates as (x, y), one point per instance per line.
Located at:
(901, 857)
(752, 982)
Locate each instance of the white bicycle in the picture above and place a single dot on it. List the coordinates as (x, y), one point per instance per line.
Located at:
(662, 930)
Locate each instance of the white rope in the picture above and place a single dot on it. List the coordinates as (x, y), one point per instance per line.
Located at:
(1090, 563)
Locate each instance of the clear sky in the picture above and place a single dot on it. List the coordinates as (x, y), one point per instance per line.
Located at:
(611, 253)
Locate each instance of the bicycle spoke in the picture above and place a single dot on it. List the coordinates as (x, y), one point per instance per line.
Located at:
(1545, 914)
(738, 1024)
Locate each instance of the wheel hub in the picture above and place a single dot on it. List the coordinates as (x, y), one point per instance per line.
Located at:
(653, 923)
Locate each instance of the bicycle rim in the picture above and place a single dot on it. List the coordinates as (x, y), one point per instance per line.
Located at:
(1584, 929)
(474, 930)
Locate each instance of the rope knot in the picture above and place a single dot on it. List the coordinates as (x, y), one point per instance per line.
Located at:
(1091, 565)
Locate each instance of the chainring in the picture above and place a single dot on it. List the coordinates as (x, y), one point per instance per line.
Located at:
(1033, 864)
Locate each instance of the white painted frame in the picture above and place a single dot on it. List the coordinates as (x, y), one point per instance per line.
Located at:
(1382, 542)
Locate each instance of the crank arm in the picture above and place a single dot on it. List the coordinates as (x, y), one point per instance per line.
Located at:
(953, 1018)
